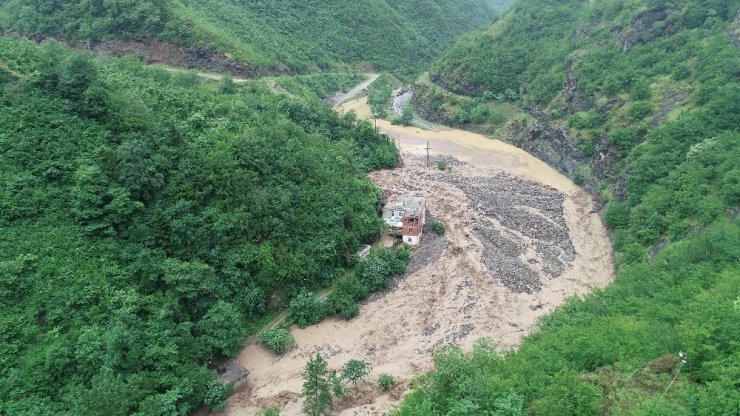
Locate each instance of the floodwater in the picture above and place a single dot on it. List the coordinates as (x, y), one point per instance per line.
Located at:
(454, 298)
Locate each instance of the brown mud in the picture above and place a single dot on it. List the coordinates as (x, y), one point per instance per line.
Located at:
(521, 239)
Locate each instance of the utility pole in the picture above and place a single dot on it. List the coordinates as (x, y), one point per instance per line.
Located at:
(428, 148)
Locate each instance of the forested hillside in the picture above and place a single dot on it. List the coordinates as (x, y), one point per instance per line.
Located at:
(639, 101)
(500, 5)
(147, 219)
(293, 35)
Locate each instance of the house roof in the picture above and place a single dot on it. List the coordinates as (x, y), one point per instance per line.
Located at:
(410, 205)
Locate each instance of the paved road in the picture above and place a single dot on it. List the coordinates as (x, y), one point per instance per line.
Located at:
(400, 101)
(340, 98)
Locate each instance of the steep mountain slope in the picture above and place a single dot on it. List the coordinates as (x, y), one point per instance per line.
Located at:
(638, 101)
(287, 34)
(147, 219)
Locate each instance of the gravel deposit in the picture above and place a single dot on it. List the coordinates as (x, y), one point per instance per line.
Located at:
(520, 224)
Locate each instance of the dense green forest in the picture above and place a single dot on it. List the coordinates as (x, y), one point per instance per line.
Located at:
(148, 218)
(298, 35)
(654, 85)
(499, 5)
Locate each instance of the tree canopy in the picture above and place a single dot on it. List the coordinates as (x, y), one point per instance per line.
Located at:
(402, 36)
(148, 217)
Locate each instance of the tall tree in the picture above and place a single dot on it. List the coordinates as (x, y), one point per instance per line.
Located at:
(316, 387)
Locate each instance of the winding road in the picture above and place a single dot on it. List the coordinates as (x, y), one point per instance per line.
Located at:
(342, 98)
(205, 75)
(339, 98)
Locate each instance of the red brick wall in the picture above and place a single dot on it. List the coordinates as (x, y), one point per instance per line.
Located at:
(411, 227)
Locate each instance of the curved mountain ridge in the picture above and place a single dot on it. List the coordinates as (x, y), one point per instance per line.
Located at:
(287, 35)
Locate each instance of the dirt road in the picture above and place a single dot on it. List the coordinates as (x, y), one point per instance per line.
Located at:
(205, 75)
(521, 239)
(341, 98)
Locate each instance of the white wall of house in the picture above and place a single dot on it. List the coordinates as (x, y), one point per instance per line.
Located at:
(411, 240)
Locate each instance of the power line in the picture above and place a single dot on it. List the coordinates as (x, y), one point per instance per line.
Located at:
(428, 148)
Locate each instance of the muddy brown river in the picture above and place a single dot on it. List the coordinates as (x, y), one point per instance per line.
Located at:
(521, 239)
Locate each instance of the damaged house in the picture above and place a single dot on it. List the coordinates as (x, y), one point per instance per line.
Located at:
(405, 216)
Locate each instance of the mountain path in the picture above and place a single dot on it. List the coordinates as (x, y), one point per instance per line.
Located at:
(205, 75)
(342, 98)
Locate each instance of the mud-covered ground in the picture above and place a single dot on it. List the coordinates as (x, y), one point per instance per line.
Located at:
(520, 240)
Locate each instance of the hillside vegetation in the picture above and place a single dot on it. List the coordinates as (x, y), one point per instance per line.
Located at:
(500, 5)
(643, 96)
(147, 219)
(297, 35)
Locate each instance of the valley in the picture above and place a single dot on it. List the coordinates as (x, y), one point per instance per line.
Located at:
(185, 184)
(520, 240)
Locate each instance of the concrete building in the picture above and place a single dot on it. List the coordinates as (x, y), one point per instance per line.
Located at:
(405, 216)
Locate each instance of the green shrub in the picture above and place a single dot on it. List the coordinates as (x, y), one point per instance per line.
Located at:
(438, 227)
(373, 272)
(731, 186)
(587, 120)
(462, 116)
(498, 116)
(640, 90)
(567, 395)
(407, 116)
(403, 254)
(681, 72)
(5, 77)
(306, 310)
(386, 381)
(216, 395)
(617, 215)
(277, 340)
(442, 165)
(355, 370)
(354, 287)
(622, 138)
(227, 85)
(588, 147)
(397, 260)
(349, 310)
(578, 177)
(639, 110)
(341, 303)
(269, 411)
(479, 114)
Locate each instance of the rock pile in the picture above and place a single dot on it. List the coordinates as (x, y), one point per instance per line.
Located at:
(521, 227)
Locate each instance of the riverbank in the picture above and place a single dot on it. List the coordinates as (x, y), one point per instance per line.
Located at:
(510, 219)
